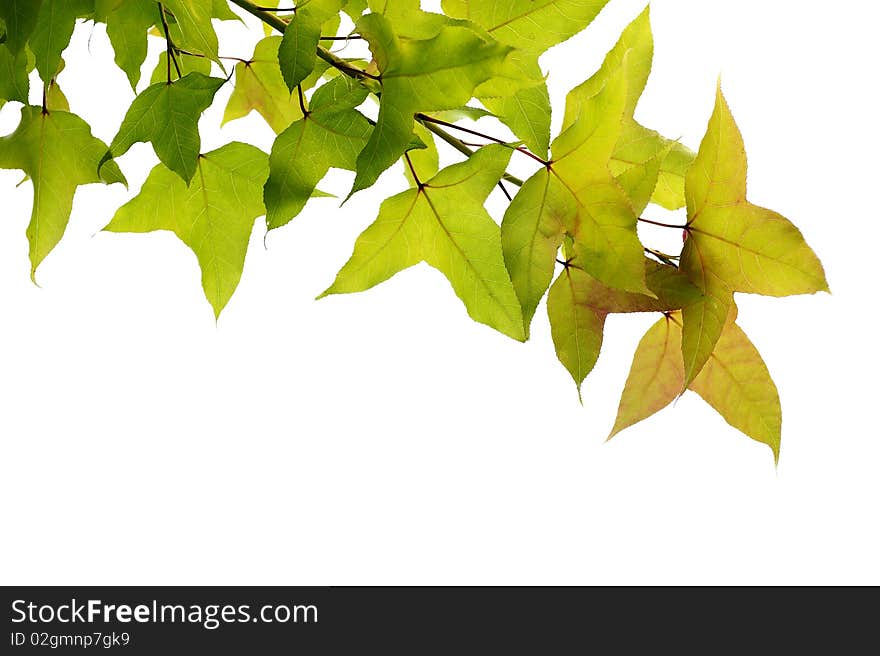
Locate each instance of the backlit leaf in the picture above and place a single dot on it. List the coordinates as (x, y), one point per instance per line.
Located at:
(578, 306)
(214, 215)
(52, 33)
(635, 162)
(532, 26)
(127, 26)
(419, 75)
(735, 382)
(14, 71)
(297, 53)
(732, 245)
(604, 228)
(331, 136)
(194, 20)
(20, 18)
(58, 153)
(167, 115)
(444, 224)
(259, 86)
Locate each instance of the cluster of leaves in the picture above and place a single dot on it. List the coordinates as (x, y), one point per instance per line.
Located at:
(574, 220)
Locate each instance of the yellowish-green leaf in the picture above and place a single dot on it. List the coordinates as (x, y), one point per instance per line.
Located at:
(578, 306)
(214, 215)
(656, 378)
(733, 245)
(532, 26)
(127, 26)
(14, 71)
(194, 20)
(419, 75)
(57, 152)
(221, 11)
(52, 32)
(443, 223)
(259, 86)
(167, 115)
(532, 233)
(331, 136)
(297, 54)
(604, 228)
(643, 159)
(735, 382)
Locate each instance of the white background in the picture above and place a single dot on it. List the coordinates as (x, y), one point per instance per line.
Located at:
(385, 438)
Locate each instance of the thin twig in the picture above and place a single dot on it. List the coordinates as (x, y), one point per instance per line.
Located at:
(169, 45)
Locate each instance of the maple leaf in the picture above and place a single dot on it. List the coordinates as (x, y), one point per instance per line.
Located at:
(443, 222)
(578, 306)
(577, 195)
(54, 27)
(419, 75)
(643, 159)
(259, 86)
(58, 153)
(194, 21)
(297, 54)
(330, 136)
(733, 245)
(167, 114)
(14, 69)
(532, 27)
(20, 18)
(735, 382)
(214, 215)
(127, 26)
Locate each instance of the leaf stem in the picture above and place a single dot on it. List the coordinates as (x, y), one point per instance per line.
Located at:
(460, 146)
(302, 100)
(519, 149)
(412, 169)
(169, 45)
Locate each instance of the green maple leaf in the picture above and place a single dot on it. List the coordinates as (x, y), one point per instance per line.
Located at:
(297, 54)
(578, 306)
(194, 21)
(259, 86)
(642, 157)
(20, 17)
(419, 75)
(577, 195)
(221, 11)
(531, 26)
(14, 69)
(58, 153)
(127, 26)
(167, 114)
(443, 222)
(330, 136)
(51, 35)
(735, 382)
(214, 215)
(732, 245)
